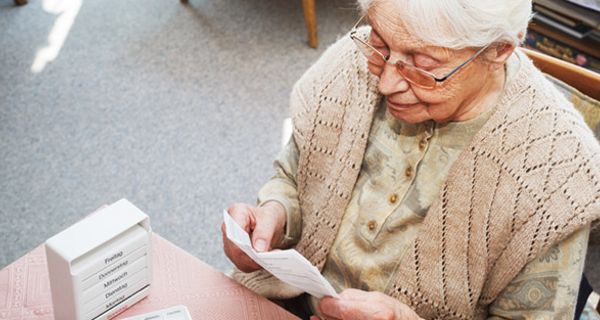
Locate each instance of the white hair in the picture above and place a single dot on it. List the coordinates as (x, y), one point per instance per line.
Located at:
(458, 24)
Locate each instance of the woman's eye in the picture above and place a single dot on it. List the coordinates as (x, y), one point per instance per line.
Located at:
(376, 41)
(424, 61)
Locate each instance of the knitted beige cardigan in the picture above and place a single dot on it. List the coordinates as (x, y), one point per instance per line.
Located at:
(529, 178)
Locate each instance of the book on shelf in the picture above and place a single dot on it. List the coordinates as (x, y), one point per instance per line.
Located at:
(589, 4)
(559, 17)
(574, 12)
(550, 46)
(578, 31)
(567, 30)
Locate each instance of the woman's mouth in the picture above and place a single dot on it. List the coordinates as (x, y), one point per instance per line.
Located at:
(400, 106)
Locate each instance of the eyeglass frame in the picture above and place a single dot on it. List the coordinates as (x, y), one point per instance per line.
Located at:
(353, 36)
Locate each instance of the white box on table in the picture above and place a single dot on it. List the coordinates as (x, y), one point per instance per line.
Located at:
(101, 265)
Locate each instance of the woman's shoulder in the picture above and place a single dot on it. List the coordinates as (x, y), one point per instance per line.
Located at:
(534, 101)
(337, 58)
(338, 80)
(537, 129)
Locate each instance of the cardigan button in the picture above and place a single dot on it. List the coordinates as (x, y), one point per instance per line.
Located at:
(372, 224)
(422, 144)
(409, 172)
(393, 198)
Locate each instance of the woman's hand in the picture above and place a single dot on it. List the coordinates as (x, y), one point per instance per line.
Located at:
(358, 304)
(265, 225)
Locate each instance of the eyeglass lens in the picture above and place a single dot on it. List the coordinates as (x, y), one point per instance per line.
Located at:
(415, 76)
(410, 73)
(372, 55)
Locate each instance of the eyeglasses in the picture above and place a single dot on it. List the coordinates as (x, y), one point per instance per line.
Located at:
(412, 74)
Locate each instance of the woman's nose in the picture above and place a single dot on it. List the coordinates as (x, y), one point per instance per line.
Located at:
(390, 81)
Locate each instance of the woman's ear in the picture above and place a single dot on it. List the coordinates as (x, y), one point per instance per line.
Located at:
(500, 53)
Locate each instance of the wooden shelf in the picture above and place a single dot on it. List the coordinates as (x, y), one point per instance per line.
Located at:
(588, 46)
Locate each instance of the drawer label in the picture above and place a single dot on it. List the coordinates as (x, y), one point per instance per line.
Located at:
(116, 290)
(115, 268)
(113, 257)
(115, 279)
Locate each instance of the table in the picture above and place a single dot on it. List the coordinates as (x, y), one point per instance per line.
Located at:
(178, 278)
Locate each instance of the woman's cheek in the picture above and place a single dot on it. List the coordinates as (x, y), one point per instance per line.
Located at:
(442, 94)
(375, 69)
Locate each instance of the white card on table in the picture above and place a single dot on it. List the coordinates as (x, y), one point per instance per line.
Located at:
(174, 313)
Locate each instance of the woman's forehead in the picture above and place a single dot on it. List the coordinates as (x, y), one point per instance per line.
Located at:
(387, 21)
(392, 30)
(388, 24)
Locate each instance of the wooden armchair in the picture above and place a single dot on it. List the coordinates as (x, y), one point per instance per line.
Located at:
(310, 18)
(584, 80)
(582, 88)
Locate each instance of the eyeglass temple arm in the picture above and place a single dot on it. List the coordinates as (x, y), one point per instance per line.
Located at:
(385, 58)
(462, 64)
(357, 23)
(353, 35)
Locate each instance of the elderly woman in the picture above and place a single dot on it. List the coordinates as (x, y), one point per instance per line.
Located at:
(433, 173)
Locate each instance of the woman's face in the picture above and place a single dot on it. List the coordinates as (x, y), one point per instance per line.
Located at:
(455, 99)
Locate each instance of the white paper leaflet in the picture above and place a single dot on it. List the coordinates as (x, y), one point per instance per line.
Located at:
(288, 266)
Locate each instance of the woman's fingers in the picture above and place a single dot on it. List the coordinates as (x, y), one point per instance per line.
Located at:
(355, 309)
(262, 235)
(243, 215)
(359, 304)
(236, 255)
(264, 225)
(270, 221)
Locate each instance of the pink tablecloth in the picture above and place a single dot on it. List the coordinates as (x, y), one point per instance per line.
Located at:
(179, 278)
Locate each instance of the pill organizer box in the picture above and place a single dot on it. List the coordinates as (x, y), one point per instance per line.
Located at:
(101, 265)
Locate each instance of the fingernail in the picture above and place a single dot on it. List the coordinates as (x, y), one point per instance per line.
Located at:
(260, 245)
